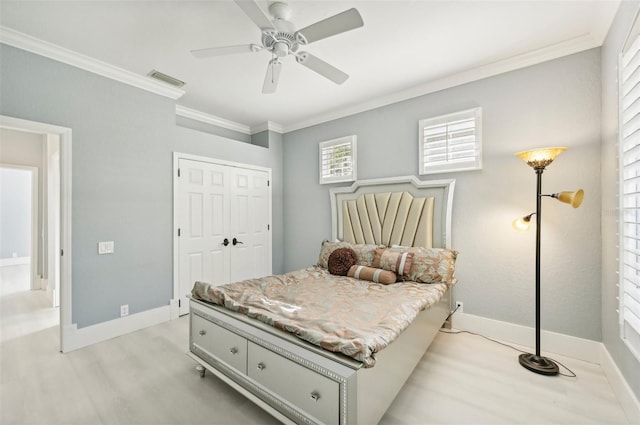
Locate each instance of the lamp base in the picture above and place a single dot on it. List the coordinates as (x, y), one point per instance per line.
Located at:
(539, 364)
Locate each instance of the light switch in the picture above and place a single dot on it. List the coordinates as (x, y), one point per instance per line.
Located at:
(105, 247)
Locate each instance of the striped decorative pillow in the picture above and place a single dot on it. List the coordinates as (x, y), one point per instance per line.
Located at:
(398, 262)
(374, 275)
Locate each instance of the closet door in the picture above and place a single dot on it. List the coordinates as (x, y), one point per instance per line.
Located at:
(203, 197)
(250, 221)
(223, 216)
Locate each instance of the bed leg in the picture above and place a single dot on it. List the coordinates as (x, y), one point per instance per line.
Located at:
(201, 369)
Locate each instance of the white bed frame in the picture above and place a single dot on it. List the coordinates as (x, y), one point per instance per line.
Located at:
(298, 382)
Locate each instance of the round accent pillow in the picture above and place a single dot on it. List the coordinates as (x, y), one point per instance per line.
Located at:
(341, 260)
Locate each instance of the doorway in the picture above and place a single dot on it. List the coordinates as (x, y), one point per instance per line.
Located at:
(48, 302)
(19, 223)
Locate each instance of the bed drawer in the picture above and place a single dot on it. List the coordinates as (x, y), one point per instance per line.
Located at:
(309, 391)
(219, 342)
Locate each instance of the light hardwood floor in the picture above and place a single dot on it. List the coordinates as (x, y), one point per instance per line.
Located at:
(146, 378)
(22, 310)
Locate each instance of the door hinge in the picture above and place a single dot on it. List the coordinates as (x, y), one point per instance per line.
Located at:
(178, 172)
(178, 232)
(61, 252)
(268, 227)
(268, 183)
(179, 303)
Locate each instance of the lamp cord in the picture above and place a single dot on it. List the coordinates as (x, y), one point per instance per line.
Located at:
(570, 375)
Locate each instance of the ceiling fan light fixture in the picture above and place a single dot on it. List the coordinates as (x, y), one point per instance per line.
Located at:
(281, 49)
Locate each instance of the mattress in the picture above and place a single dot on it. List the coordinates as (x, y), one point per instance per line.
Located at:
(341, 314)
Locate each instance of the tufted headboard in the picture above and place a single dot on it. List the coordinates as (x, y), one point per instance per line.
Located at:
(394, 211)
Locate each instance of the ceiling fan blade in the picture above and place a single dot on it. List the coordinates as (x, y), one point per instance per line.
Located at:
(253, 11)
(271, 78)
(221, 51)
(321, 67)
(342, 22)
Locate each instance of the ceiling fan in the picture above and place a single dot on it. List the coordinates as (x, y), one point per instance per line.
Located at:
(280, 37)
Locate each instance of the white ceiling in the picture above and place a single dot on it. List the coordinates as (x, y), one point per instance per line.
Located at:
(405, 48)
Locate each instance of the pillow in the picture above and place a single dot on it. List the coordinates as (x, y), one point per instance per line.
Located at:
(432, 265)
(364, 252)
(398, 262)
(374, 275)
(341, 260)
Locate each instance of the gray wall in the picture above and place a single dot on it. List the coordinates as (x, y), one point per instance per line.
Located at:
(626, 362)
(556, 103)
(123, 144)
(15, 212)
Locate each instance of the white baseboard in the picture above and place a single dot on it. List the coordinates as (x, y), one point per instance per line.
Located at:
(74, 338)
(621, 388)
(14, 261)
(552, 342)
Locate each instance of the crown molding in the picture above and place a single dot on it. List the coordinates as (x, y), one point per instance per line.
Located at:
(196, 115)
(555, 51)
(212, 119)
(269, 125)
(31, 44)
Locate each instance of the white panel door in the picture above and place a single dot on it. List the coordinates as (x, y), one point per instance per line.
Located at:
(203, 196)
(250, 224)
(223, 216)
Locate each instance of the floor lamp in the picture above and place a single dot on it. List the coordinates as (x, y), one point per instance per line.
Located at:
(539, 159)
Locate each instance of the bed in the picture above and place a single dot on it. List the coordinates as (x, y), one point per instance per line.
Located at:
(354, 378)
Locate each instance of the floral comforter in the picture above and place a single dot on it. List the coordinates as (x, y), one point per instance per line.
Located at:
(338, 313)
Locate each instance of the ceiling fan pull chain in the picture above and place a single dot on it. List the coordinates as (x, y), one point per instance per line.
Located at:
(273, 57)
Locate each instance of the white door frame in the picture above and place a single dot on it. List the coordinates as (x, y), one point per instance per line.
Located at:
(65, 211)
(34, 280)
(52, 157)
(177, 156)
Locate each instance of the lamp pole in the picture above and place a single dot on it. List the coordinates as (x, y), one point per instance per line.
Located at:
(539, 172)
(536, 363)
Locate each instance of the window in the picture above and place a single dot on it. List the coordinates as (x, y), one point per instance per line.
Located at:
(338, 160)
(629, 116)
(451, 142)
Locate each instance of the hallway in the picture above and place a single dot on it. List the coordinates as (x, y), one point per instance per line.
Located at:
(23, 311)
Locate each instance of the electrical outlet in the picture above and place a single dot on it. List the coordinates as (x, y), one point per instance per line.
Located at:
(124, 310)
(459, 306)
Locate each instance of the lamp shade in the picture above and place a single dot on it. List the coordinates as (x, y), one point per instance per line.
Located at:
(521, 224)
(572, 198)
(540, 158)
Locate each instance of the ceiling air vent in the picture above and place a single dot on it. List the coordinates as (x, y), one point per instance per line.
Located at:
(166, 78)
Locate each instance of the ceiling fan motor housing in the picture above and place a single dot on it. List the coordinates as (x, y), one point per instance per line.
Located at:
(280, 43)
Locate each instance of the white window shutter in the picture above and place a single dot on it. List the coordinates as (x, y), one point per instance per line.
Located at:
(338, 160)
(630, 196)
(451, 142)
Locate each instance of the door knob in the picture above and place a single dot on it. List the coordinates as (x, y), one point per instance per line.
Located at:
(236, 242)
(225, 242)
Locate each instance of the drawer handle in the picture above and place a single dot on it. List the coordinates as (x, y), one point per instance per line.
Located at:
(202, 332)
(315, 396)
(261, 366)
(233, 350)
